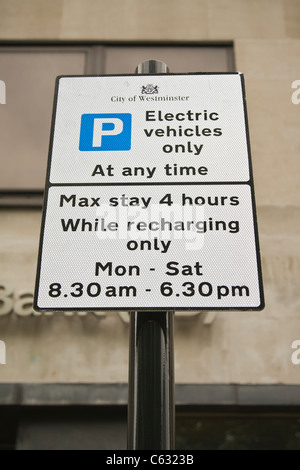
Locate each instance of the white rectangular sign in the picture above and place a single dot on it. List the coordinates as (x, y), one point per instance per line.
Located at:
(149, 199)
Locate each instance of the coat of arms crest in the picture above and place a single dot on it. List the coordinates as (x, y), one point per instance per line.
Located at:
(150, 89)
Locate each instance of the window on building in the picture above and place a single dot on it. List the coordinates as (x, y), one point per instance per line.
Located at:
(29, 75)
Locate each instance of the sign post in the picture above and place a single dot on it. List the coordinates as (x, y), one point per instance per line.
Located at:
(151, 405)
(149, 208)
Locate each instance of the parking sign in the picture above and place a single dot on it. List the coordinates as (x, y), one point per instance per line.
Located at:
(100, 132)
(149, 199)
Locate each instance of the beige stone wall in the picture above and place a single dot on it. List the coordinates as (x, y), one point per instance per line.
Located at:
(237, 347)
(158, 20)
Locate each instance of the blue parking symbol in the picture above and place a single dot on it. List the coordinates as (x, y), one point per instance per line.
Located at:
(105, 132)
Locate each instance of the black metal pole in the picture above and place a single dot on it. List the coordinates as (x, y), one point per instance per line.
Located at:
(151, 381)
(151, 409)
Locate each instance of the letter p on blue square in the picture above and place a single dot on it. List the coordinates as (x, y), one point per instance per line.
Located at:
(105, 132)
